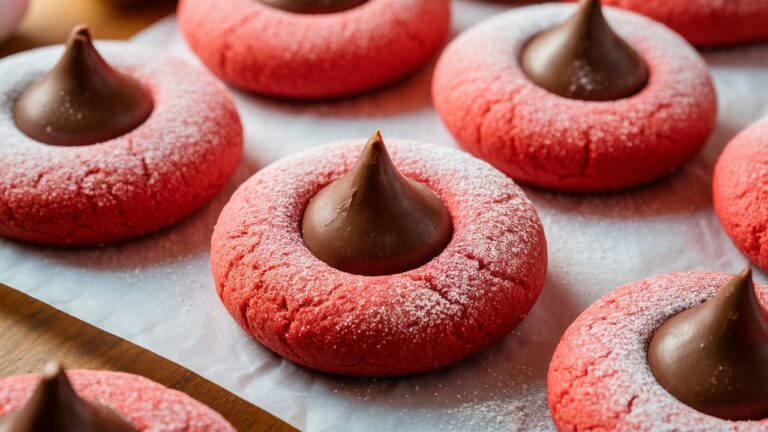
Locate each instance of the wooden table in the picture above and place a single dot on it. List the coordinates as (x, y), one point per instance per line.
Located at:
(33, 332)
(48, 22)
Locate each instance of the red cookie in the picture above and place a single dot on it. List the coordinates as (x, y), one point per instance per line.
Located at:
(706, 22)
(495, 112)
(599, 378)
(148, 405)
(473, 293)
(151, 177)
(267, 50)
(740, 187)
(11, 12)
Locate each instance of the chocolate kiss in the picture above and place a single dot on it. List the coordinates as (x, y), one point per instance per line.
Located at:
(375, 221)
(314, 6)
(54, 406)
(714, 357)
(584, 59)
(82, 100)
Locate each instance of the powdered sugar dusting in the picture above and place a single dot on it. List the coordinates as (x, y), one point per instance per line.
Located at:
(474, 292)
(169, 166)
(599, 376)
(155, 290)
(496, 112)
(148, 405)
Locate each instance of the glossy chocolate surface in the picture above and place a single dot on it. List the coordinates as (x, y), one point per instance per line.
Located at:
(714, 357)
(313, 6)
(585, 59)
(375, 221)
(55, 407)
(82, 100)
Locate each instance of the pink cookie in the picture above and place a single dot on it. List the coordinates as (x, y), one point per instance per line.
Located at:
(473, 293)
(740, 186)
(498, 114)
(151, 177)
(706, 22)
(11, 12)
(267, 50)
(599, 378)
(148, 405)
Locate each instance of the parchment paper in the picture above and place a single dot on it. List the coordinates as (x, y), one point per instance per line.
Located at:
(157, 291)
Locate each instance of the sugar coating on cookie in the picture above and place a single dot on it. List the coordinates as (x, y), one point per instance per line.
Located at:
(706, 22)
(267, 50)
(470, 295)
(599, 376)
(163, 170)
(494, 110)
(148, 405)
(740, 190)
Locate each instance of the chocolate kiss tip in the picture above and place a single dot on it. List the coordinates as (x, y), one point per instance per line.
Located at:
(589, 8)
(714, 357)
(52, 369)
(80, 31)
(377, 138)
(746, 273)
(583, 58)
(374, 146)
(374, 220)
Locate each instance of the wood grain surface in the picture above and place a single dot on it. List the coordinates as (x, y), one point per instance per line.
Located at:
(32, 332)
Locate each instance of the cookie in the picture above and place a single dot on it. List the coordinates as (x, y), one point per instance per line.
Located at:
(740, 188)
(706, 22)
(11, 12)
(267, 50)
(67, 193)
(600, 378)
(144, 404)
(497, 113)
(478, 288)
